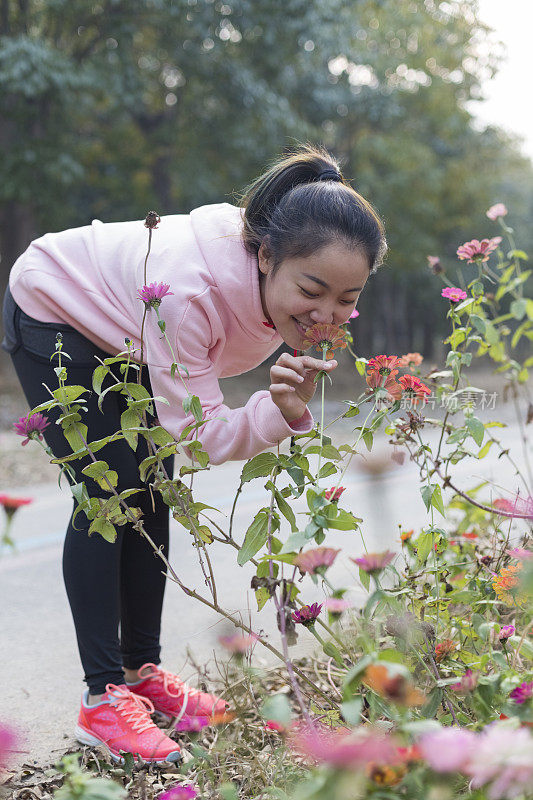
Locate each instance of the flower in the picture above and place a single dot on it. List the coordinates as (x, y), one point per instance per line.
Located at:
(238, 642)
(520, 553)
(12, 504)
(410, 361)
(152, 220)
(470, 535)
(7, 741)
(336, 605)
(503, 757)
(325, 336)
(334, 494)
(152, 294)
(453, 294)
(506, 631)
(374, 563)
(316, 560)
(467, 683)
(32, 427)
(519, 507)
(522, 692)
(388, 383)
(396, 688)
(414, 388)
(386, 774)
(505, 584)
(384, 364)
(434, 265)
(354, 314)
(272, 725)
(178, 793)
(307, 615)
(448, 749)
(496, 211)
(344, 749)
(406, 535)
(476, 250)
(444, 649)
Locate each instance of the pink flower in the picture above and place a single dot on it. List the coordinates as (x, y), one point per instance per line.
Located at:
(518, 552)
(414, 388)
(503, 757)
(343, 748)
(316, 560)
(447, 750)
(334, 494)
(506, 632)
(178, 793)
(522, 692)
(384, 364)
(374, 562)
(32, 427)
(518, 507)
(336, 605)
(238, 642)
(354, 314)
(453, 294)
(410, 361)
(7, 742)
(12, 504)
(434, 265)
(307, 615)
(152, 294)
(467, 683)
(495, 211)
(478, 250)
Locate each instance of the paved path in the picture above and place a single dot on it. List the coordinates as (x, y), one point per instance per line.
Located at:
(39, 670)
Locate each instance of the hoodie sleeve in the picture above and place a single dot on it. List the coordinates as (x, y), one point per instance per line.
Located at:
(229, 434)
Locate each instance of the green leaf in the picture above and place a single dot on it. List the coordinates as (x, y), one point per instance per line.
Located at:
(75, 434)
(333, 652)
(476, 429)
(130, 419)
(258, 467)
(327, 469)
(277, 708)
(424, 544)
(102, 526)
(351, 710)
(99, 471)
(294, 543)
(255, 537)
(478, 323)
(364, 577)
(518, 308)
(69, 393)
(261, 595)
(434, 701)
(98, 377)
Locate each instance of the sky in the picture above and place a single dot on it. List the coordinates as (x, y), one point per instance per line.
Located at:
(508, 96)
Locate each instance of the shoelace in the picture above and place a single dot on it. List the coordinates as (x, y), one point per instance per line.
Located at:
(132, 707)
(170, 681)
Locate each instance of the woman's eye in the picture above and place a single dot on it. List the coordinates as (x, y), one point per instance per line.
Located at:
(308, 294)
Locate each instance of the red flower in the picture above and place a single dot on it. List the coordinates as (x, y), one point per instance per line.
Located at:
(410, 361)
(413, 387)
(434, 265)
(325, 336)
(376, 381)
(444, 649)
(334, 494)
(11, 504)
(476, 250)
(384, 364)
(496, 211)
(469, 535)
(316, 560)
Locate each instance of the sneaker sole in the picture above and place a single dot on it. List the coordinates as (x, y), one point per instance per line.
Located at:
(84, 737)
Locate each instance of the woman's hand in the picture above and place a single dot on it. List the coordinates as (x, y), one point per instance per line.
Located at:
(292, 384)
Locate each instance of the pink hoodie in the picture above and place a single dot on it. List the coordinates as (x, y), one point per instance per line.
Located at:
(88, 277)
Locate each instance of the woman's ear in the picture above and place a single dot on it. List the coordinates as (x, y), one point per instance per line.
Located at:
(264, 258)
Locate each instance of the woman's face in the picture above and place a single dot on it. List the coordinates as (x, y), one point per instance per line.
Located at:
(323, 287)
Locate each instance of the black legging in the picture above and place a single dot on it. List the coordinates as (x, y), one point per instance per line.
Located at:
(107, 584)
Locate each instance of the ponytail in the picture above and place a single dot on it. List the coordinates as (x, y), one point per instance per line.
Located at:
(302, 203)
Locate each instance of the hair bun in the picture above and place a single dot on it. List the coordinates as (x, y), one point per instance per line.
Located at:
(329, 174)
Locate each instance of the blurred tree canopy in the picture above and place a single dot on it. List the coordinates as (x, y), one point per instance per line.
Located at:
(113, 107)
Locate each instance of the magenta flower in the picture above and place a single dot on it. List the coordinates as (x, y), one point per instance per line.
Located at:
(522, 692)
(506, 632)
(503, 757)
(307, 615)
(453, 294)
(496, 211)
(467, 683)
(478, 250)
(334, 494)
(343, 748)
(447, 750)
(178, 793)
(7, 742)
(238, 642)
(316, 560)
(354, 314)
(336, 605)
(519, 507)
(153, 294)
(31, 427)
(374, 562)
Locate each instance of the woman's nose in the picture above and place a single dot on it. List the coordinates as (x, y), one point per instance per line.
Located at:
(322, 315)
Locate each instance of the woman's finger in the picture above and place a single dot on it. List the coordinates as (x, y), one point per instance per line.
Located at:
(279, 374)
(280, 388)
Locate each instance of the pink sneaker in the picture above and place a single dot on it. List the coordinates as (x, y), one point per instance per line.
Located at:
(121, 722)
(174, 699)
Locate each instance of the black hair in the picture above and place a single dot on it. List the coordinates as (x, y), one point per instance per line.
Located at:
(296, 213)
